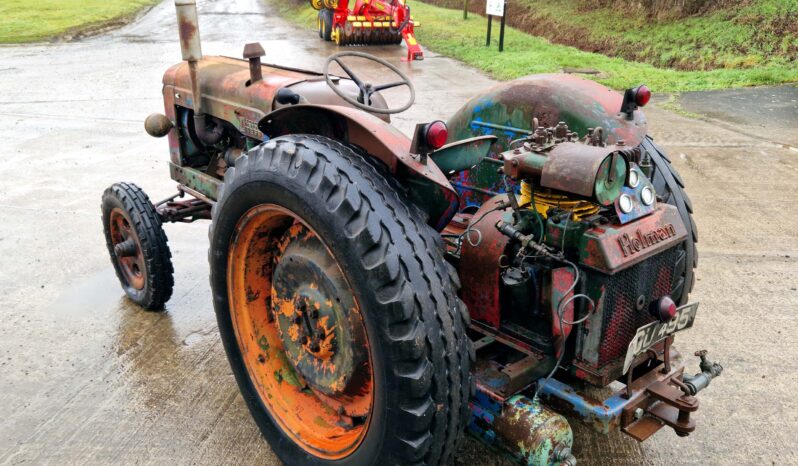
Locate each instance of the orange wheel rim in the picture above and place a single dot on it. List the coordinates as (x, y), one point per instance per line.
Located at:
(300, 332)
(127, 249)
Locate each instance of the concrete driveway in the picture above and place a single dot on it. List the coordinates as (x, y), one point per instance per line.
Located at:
(88, 378)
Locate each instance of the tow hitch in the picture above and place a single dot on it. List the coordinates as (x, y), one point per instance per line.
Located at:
(664, 396)
(673, 401)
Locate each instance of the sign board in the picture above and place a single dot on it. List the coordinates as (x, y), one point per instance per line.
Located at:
(494, 7)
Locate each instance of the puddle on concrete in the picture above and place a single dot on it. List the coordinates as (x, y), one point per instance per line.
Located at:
(93, 296)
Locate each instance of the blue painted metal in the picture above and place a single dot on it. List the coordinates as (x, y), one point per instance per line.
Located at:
(603, 416)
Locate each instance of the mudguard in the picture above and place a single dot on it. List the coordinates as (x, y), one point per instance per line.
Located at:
(507, 111)
(428, 184)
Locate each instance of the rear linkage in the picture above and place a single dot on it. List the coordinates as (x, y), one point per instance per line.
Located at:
(527, 427)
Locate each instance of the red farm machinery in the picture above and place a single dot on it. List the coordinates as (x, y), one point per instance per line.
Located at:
(368, 22)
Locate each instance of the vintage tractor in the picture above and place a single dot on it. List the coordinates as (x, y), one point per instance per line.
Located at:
(366, 22)
(377, 295)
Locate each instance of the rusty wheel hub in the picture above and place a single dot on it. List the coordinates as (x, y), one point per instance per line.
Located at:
(300, 332)
(312, 304)
(127, 250)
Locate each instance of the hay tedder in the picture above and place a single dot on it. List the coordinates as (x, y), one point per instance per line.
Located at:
(367, 22)
(524, 265)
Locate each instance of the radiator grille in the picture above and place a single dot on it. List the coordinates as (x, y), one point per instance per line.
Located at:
(651, 278)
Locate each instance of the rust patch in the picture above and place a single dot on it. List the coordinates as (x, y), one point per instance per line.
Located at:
(328, 422)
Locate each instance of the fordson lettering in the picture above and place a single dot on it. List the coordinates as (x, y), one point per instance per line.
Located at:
(636, 243)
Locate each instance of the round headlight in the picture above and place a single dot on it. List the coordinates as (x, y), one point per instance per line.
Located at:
(634, 179)
(625, 203)
(647, 195)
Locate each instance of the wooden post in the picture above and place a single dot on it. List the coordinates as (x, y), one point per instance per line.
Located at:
(465, 9)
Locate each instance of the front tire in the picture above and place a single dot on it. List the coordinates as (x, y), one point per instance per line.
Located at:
(341, 221)
(137, 245)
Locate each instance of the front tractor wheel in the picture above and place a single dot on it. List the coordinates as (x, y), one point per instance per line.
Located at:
(338, 313)
(138, 246)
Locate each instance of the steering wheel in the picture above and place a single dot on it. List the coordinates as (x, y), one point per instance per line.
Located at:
(367, 89)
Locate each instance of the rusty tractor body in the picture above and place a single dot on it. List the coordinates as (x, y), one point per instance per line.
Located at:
(364, 22)
(338, 245)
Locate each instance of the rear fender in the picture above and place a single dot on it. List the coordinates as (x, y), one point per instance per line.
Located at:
(462, 155)
(426, 182)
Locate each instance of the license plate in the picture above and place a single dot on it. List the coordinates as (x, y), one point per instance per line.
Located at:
(653, 333)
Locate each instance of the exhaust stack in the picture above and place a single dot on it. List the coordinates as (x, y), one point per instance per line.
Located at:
(208, 131)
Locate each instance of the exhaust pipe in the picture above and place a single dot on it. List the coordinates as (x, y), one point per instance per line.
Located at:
(208, 130)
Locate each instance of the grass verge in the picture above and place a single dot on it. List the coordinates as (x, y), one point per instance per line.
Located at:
(39, 20)
(444, 31)
(712, 34)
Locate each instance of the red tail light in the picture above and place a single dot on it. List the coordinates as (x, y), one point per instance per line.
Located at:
(436, 134)
(634, 98)
(665, 309)
(642, 95)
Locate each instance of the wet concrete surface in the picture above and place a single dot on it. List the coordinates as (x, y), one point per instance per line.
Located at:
(88, 378)
(767, 113)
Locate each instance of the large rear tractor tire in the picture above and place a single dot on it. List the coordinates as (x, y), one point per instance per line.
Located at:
(337, 310)
(670, 187)
(138, 245)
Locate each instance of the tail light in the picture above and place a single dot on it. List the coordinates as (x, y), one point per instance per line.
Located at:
(665, 309)
(429, 137)
(634, 98)
(436, 134)
(642, 95)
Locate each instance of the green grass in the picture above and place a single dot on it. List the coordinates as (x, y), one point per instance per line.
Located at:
(38, 20)
(445, 31)
(731, 34)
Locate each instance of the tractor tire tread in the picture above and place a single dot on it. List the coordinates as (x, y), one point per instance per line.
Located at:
(154, 243)
(676, 196)
(423, 322)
